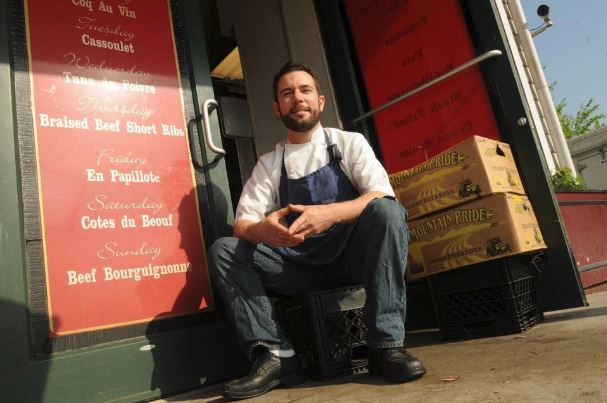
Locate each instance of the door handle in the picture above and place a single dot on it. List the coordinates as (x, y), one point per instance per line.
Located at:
(209, 106)
(462, 67)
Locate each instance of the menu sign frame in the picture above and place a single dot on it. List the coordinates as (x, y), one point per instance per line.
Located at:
(120, 224)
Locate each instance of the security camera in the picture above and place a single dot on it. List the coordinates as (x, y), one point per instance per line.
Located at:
(543, 11)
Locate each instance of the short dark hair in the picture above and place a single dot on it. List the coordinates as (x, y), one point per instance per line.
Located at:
(290, 67)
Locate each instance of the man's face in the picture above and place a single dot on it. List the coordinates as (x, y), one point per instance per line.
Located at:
(299, 104)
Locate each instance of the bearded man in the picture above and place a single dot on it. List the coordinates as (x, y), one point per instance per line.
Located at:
(318, 212)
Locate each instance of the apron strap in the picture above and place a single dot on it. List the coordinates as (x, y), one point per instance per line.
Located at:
(334, 152)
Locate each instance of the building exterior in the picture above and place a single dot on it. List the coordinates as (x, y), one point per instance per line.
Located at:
(121, 157)
(590, 155)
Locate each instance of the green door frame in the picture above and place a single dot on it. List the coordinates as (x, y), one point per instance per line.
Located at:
(132, 369)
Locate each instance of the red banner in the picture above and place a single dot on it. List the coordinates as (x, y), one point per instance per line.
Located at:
(403, 44)
(121, 228)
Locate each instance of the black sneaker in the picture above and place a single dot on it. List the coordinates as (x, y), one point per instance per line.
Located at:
(267, 373)
(395, 365)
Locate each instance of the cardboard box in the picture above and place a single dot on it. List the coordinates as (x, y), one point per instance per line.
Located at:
(475, 167)
(492, 227)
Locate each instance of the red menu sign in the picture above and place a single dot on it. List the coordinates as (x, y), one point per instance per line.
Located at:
(403, 44)
(121, 228)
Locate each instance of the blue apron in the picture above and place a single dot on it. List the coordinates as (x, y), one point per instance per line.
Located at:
(326, 185)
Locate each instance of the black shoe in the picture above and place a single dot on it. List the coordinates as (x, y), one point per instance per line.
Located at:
(267, 372)
(395, 365)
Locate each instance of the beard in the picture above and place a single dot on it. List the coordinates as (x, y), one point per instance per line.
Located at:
(300, 125)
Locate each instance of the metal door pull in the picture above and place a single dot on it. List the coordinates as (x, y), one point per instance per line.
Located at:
(209, 106)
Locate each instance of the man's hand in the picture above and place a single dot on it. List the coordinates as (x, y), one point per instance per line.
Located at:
(313, 220)
(316, 219)
(276, 233)
(270, 230)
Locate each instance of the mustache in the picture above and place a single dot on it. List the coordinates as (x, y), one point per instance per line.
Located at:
(300, 108)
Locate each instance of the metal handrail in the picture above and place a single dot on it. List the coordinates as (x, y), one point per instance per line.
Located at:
(476, 60)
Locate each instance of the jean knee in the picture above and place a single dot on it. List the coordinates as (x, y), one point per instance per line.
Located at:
(387, 211)
(221, 252)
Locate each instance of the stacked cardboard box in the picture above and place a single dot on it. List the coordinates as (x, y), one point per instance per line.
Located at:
(466, 205)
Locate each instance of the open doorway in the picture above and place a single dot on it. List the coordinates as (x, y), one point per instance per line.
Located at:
(228, 86)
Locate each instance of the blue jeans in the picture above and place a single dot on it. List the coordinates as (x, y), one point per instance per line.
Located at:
(375, 256)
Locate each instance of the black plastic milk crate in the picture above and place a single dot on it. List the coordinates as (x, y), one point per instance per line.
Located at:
(327, 329)
(487, 299)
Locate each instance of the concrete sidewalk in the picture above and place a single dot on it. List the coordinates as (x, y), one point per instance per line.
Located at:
(564, 359)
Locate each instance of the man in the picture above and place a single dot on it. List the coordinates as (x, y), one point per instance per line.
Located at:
(318, 212)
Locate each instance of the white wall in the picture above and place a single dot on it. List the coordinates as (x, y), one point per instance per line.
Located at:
(589, 153)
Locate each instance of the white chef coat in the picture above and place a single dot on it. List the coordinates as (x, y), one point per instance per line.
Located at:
(260, 194)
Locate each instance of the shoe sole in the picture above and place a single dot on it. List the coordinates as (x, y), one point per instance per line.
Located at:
(288, 381)
(411, 376)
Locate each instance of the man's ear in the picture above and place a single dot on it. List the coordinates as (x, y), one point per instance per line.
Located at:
(321, 102)
(276, 109)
